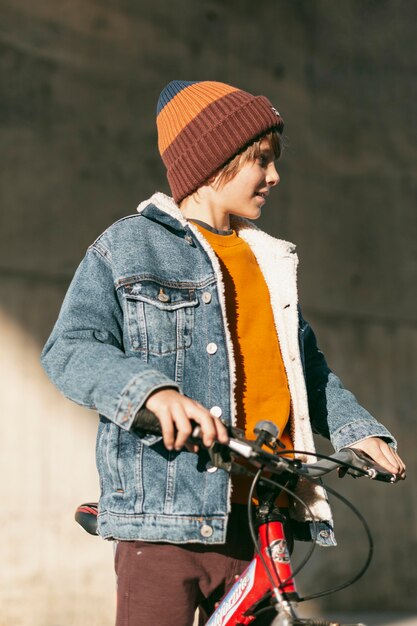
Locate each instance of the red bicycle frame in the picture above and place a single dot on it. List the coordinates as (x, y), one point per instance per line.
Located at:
(254, 585)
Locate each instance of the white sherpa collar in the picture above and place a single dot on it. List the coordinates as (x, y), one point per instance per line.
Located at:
(166, 204)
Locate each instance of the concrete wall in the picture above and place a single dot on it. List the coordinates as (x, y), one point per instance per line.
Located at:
(80, 80)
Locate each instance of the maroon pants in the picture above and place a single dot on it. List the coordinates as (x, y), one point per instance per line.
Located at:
(162, 584)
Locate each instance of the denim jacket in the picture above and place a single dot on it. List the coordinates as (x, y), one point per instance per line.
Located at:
(146, 310)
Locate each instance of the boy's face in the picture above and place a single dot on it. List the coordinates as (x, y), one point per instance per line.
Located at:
(246, 193)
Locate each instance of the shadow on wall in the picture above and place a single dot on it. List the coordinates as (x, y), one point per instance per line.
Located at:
(52, 572)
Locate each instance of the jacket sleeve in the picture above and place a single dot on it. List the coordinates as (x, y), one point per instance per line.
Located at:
(334, 411)
(84, 355)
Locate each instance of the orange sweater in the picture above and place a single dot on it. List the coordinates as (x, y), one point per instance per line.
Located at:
(261, 387)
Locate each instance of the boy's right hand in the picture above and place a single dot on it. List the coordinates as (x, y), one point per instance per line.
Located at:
(175, 413)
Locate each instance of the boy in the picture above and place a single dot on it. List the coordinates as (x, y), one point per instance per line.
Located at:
(190, 311)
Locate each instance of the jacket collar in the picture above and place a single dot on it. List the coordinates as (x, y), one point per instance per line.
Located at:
(162, 208)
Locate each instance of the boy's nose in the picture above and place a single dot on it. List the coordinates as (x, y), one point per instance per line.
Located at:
(272, 177)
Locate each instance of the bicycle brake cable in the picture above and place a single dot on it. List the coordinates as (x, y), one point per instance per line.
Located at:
(255, 540)
(310, 551)
(307, 557)
(305, 560)
(365, 526)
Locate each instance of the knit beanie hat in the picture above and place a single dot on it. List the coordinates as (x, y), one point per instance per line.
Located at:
(202, 125)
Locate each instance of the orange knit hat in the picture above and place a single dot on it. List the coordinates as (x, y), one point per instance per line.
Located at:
(202, 125)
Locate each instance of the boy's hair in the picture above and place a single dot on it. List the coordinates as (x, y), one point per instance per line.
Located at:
(202, 125)
(249, 154)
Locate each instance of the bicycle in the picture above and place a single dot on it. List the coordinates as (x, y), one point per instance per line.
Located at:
(265, 593)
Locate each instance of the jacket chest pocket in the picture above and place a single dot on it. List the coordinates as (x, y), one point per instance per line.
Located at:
(159, 318)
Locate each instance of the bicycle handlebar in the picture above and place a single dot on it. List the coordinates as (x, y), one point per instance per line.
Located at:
(353, 461)
(361, 464)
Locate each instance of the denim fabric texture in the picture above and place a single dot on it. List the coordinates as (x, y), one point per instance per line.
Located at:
(135, 320)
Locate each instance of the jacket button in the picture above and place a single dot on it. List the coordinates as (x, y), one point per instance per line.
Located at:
(162, 296)
(189, 239)
(206, 531)
(216, 411)
(324, 533)
(211, 348)
(206, 297)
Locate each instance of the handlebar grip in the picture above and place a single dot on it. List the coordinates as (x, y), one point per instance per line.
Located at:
(146, 420)
(364, 462)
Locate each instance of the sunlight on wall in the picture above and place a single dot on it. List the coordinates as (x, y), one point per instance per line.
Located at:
(52, 572)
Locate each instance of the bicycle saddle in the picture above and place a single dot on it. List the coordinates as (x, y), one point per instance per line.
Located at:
(86, 516)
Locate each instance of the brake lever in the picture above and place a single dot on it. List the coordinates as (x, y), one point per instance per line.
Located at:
(366, 466)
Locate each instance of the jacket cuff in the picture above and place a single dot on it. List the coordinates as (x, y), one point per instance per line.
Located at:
(135, 394)
(321, 533)
(359, 430)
